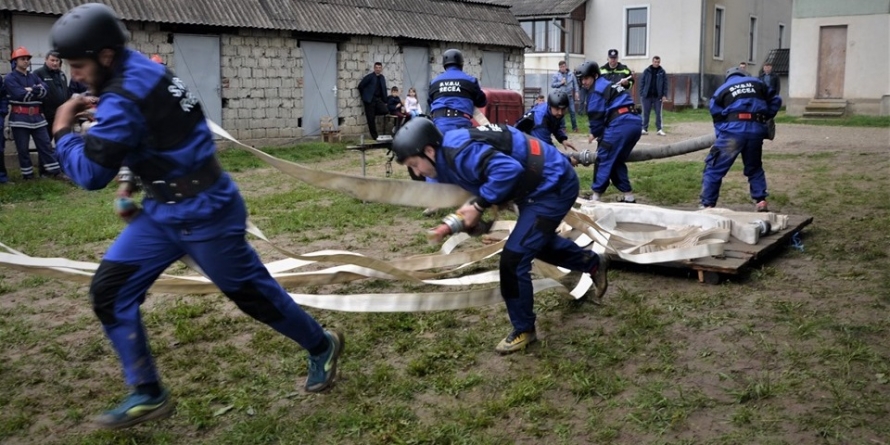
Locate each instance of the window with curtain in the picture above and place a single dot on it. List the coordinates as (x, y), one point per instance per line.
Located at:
(637, 29)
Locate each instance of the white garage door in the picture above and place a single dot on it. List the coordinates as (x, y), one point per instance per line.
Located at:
(33, 33)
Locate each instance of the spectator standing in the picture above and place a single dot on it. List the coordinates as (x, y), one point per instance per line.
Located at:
(372, 89)
(564, 81)
(653, 93)
(617, 72)
(26, 93)
(771, 80)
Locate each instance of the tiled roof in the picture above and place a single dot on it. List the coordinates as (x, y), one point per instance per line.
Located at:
(524, 9)
(779, 59)
(465, 21)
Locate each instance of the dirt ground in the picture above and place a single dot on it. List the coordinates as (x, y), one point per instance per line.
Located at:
(826, 277)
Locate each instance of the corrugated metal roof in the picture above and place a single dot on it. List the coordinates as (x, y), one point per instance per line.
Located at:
(779, 58)
(524, 9)
(464, 21)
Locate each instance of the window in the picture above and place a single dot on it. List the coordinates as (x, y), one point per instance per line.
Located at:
(718, 33)
(781, 35)
(752, 39)
(549, 36)
(637, 27)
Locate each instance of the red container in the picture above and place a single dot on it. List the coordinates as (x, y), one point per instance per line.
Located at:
(504, 106)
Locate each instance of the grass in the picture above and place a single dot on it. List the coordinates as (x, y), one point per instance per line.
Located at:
(792, 352)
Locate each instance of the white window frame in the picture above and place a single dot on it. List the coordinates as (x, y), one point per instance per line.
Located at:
(645, 54)
(719, 32)
(752, 39)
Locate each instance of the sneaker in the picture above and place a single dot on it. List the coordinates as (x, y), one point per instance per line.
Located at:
(135, 409)
(323, 368)
(762, 206)
(645, 132)
(600, 276)
(624, 199)
(702, 207)
(516, 341)
(662, 133)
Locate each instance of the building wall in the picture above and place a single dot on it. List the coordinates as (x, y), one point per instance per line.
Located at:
(262, 76)
(867, 68)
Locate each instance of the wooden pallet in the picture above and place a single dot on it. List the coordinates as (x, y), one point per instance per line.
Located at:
(738, 255)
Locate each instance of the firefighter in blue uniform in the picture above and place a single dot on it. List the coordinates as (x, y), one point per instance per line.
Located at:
(616, 127)
(148, 120)
(454, 94)
(740, 108)
(498, 165)
(26, 93)
(546, 121)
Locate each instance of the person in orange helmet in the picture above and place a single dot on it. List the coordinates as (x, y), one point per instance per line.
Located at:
(26, 94)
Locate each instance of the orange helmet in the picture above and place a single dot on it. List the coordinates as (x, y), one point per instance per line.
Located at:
(157, 58)
(20, 52)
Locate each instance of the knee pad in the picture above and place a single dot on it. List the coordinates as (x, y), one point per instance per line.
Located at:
(510, 262)
(252, 302)
(110, 277)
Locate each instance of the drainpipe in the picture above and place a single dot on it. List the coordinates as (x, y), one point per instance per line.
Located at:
(701, 51)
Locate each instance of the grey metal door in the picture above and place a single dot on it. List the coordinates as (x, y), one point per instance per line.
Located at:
(196, 62)
(319, 85)
(492, 69)
(417, 73)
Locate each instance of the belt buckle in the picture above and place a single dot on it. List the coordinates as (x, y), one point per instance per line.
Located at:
(160, 187)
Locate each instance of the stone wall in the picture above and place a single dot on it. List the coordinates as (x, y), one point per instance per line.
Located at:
(262, 76)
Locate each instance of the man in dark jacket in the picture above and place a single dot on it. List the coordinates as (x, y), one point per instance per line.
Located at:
(653, 92)
(57, 91)
(373, 91)
(771, 80)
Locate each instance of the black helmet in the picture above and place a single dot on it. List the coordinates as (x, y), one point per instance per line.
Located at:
(591, 69)
(558, 99)
(416, 134)
(453, 57)
(86, 30)
(735, 71)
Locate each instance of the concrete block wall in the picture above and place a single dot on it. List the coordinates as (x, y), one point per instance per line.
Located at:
(262, 76)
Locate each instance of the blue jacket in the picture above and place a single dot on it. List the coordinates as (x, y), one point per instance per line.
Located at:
(491, 161)
(457, 90)
(659, 77)
(544, 124)
(571, 85)
(148, 120)
(4, 102)
(603, 101)
(743, 94)
(16, 83)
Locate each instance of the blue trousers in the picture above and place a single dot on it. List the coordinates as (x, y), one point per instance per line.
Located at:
(720, 159)
(22, 138)
(535, 237)
(650, 103)
(572, 111)
(4, 177)
(145, 249)
(619, 139)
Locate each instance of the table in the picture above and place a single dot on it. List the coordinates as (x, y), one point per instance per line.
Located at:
(365, 146)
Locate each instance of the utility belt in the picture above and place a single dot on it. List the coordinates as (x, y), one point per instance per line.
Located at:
(188, 186)
(21, 109)
(619, 111)
(449, 112)
(743, 116)
(534, 169)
